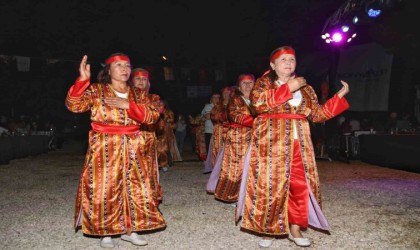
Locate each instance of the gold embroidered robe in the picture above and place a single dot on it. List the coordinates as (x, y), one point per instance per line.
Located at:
(236, 143)
(114, 194)
(265, 208)
(217, 117)
(148, 144)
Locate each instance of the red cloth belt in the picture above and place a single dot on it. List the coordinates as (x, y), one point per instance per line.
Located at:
(114, 129)
(282, 116)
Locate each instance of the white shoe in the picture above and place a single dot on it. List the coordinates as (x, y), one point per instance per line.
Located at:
(165, 169)
(302, 242)
(233, 204)
(265, 242)
(107, 242)
(135, 239)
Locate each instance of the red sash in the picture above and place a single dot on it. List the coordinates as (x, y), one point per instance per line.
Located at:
(282, 116)
(113, 129)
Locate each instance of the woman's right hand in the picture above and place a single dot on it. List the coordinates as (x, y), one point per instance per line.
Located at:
(84, 69)
(296, 83)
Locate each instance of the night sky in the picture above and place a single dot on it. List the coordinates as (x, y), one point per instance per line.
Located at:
(188, 31)
(233, 33)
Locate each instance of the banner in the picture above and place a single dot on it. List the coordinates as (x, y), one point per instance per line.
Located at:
(367, 70)
(23, 63)
(168, 73)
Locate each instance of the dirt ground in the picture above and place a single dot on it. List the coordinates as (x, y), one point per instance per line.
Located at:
(368, 207)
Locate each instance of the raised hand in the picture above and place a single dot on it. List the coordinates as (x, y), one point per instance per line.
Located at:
(344, 90)
(84, 69)
(296, 83)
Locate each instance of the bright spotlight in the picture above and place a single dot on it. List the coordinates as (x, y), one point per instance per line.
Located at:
(345, 28)
(373, 13)
(355, 20)
(373, 8)
(337, 37)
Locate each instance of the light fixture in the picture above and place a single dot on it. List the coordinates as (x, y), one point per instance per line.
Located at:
(374, 8)
(339, 34)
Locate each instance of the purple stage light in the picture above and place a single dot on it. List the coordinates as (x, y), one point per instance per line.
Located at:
(337, 37)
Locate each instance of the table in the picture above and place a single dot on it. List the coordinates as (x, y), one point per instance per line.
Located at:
(13, 147)
(400, 151)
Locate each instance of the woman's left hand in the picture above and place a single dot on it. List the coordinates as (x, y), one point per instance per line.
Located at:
(344, 90)
(117, 102)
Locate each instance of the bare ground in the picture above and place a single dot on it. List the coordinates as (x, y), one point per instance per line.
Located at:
(368, 207)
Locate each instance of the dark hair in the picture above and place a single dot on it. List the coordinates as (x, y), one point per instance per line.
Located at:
(103, 75)
(272, 74)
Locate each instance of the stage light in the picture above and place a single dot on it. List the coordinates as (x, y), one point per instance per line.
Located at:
(337, 37)
(373, 13)
(355, 20)
(339, 34)
(345, 28)
(374, 8)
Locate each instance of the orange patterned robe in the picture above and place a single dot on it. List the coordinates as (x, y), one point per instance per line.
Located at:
(198, 123)
(114, 194)
(148, 147)
(162, 143)
(236, 144)
(218, 116)
(170, 136)
(265, 208)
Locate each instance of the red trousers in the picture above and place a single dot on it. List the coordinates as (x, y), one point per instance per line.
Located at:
(298, 190)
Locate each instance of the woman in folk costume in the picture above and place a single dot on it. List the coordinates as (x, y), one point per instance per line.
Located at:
(140, 80)
(198, 125)
(169, 118)
(114, 195)
(237, 141)
(219, 117)
(208, 131)
(162, 141)
(282, 190)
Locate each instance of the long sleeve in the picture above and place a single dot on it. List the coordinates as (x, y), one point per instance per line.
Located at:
(238, 112)
(333, 107)
(264, 97)
(79, 97)
(216, 114)
(143, 113)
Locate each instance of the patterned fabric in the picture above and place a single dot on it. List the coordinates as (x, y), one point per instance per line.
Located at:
(198, 123)
(114, 194)
(265, 209)
(162, 144)
(219, 130)
(148, 150)
(237, 141)
(168, 117)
